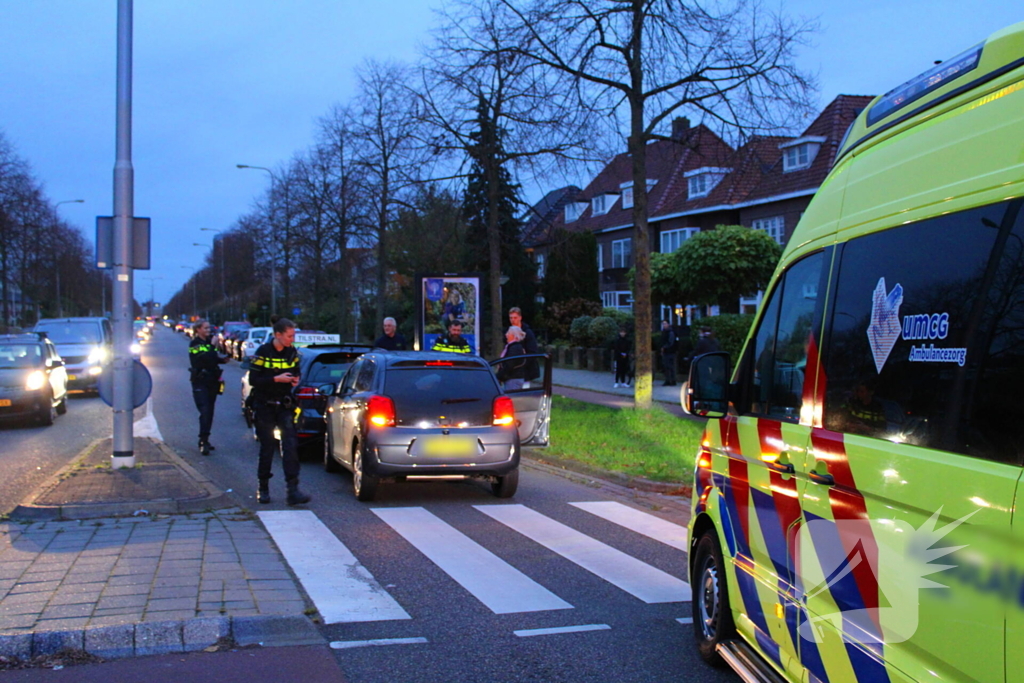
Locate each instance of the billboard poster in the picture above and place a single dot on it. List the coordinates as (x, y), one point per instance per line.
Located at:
(447, 298)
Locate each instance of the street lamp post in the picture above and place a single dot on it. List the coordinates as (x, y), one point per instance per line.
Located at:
(60, 303)
(273, 260)
(195, 278)
(223, 286)
(151, 295)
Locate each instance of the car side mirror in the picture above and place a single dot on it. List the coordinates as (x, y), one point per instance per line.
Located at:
(326, 389)
(706, 392)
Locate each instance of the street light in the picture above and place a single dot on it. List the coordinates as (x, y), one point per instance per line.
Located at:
(223, 286)
(151, 295)
(60, 304)
(273, 260)
(195, 282)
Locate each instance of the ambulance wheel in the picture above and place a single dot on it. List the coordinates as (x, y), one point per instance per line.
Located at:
(712, 615)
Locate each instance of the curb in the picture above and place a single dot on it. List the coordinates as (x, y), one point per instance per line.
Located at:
(611, 393)
(213, 497)
(560, 466)
(165, 637)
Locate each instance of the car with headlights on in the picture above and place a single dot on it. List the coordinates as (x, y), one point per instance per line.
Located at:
(33, 380)
(85, 344)
(409, 415)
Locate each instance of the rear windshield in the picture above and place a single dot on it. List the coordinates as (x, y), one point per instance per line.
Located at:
(71, 332)
(20, 356)
(427, 394)
(329, 371)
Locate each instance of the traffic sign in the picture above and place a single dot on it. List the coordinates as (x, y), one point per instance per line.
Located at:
(142, 384)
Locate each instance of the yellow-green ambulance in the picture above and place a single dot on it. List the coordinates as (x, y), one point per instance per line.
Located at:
(858, 491)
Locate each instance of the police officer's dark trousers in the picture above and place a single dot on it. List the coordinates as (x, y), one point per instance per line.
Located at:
(269, 416)
(204, 393)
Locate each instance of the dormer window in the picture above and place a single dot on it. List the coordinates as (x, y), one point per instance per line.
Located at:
(627, 192)
(799, 154)
(574, 210)
(701, 181)
(602, 204)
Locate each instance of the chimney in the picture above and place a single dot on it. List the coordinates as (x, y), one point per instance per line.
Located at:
(680, 127)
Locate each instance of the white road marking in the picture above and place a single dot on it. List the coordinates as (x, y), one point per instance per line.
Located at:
(653, 527)
(526, 633)
(685, 620)
(648, 583)
(348, 644)
(147, 426)
(498, 585)
(341, 588)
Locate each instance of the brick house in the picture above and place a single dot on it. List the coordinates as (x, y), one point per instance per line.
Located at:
(695, 182)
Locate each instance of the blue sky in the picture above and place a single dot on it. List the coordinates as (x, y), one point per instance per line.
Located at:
(223, 82)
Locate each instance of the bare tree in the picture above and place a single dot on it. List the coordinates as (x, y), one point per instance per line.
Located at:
(521, 120)
(730, 63)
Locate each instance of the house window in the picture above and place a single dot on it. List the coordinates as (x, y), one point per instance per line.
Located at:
(619, 300)
(774, 226)
(799, 154)
(574, 210)
(540, 265)
(602, 204)
(673, 239)
(701, 181)
(622, 253)
(600, 257)
(627, 192)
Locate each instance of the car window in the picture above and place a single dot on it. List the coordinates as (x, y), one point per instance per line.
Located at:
(364, 378)
(350, 377)
(71, 331)
(326, 373)
(425, 393)
(927, 344)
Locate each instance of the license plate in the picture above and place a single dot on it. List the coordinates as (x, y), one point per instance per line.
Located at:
(5, 402)
(72, 378)
(448, 446)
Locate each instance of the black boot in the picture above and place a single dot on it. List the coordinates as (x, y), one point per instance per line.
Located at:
(204, 447)
(295, 496)
(263, 493)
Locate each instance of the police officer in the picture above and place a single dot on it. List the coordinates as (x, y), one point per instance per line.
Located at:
(453, 342)
(204, 368)
(273, 374)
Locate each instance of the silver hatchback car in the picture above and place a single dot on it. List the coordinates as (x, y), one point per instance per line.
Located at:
(400, 415)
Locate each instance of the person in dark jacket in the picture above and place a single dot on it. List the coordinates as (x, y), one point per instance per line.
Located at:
(273, 374)
(667, 348)
(513, 373)
(204, 371)
(392, 339)
(622, 349)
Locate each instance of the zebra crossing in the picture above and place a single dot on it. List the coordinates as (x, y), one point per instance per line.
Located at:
(344, 591)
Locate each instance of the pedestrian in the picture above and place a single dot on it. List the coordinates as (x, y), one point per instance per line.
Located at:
(515, 319)
(392, 339)
(204, 373)
(513, 373)
(273, 374)
(622, 349)
(706, 342)
(453, 341)
(667, 348)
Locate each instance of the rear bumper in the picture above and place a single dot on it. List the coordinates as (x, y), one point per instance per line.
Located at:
(394, 454)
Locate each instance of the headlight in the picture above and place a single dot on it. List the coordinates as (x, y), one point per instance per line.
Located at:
(136, 348)
(95, 370)
(98, 355)
(36, 381)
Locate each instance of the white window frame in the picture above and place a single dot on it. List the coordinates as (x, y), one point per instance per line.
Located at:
(701, 181)
(620, 300)
(678, 236)
(627, 192)
(539, 261)
(775, 226)
(602, 204)
(799, 154)
(600, 258)
(624, 256)
(573, 210)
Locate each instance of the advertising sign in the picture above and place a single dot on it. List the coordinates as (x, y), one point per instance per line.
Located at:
(443, 300)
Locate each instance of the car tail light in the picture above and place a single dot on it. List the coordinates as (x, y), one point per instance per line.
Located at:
(306, 392)
(504, 411)
(380, 411)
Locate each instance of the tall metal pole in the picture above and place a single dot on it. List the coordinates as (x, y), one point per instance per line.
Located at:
(273, 257)
(124, 213)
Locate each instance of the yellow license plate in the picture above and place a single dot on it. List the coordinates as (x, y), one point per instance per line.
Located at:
(5, 402)
(72, 378)
(448, 447)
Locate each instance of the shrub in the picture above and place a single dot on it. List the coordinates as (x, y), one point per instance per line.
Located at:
(579, 331)
(730, 330)
(559, 316)
(603, 331)
(621, 318)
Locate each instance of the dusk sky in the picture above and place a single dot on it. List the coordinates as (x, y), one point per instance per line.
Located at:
(223, 82)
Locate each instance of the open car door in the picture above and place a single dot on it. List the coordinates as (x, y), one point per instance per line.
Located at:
(533, 400)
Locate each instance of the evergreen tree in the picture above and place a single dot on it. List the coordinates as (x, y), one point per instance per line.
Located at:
(571, 271)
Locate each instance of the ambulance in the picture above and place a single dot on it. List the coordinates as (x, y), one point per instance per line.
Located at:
(855, 495)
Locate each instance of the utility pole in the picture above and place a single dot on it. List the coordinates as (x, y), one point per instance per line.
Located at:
(124, 217)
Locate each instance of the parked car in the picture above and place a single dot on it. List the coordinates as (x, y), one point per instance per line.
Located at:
(411, 414)
(85, 345)
(33, 379)
(257, 337)
(321, 369)
(228, 332)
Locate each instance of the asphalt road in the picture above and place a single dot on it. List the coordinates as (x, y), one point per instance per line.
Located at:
(458, 638)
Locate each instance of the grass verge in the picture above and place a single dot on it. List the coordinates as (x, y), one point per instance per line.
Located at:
(653, 444)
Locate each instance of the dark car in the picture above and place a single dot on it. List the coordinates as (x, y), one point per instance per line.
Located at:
(321, 369)
(400, 415)
(33, 381)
